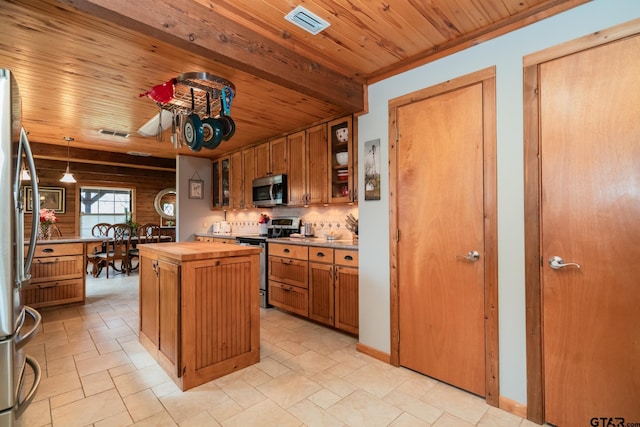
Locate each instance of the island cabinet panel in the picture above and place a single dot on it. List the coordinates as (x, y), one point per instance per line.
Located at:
(223, 310)
(149, 297)
(207, 309)
(169, 315)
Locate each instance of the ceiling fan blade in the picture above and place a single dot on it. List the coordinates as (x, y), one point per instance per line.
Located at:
(150, 128)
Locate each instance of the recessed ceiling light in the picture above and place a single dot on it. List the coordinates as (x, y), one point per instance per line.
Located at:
(307, 20)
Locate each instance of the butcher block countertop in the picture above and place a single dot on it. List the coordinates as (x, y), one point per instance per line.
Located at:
(194, 251)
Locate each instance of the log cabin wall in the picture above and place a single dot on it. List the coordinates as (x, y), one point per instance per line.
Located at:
(146, 184)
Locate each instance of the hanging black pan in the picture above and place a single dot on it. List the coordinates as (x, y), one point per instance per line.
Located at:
(227, 123)
(212, 129)
(193, 133)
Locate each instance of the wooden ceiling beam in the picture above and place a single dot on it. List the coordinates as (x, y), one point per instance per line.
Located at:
(188, 25)
(95, 157)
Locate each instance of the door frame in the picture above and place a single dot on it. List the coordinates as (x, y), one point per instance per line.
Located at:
(487, 77)
(532, 203)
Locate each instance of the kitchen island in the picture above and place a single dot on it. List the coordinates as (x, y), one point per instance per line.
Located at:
(199, 308)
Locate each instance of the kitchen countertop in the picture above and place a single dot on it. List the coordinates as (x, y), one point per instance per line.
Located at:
(194, 251)
(316, 241)
(306, 241)
(227, 235)
(60, 240)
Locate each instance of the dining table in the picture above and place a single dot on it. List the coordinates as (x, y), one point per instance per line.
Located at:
(97, 263)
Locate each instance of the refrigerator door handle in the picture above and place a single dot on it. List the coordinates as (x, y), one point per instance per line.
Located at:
(23, 338)
(22, 404)
(35, 203)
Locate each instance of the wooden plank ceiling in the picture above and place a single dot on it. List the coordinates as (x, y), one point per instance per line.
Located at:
(81, 64)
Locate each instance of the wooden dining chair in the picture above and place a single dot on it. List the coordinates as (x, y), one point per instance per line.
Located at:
(147, 233)
(98, 230)
(118, 237)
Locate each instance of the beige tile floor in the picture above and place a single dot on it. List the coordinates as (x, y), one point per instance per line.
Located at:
(95, 373)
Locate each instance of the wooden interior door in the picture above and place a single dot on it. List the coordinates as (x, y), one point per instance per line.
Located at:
(440, 217)
(590, 215)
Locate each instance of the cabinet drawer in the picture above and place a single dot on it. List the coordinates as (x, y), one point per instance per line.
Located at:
(55, 249)
(290, 271)
(289, 251)
(57, 268)
(48, 250)
(53, 292)
(318, 254)
(287, 297)
(346, 257)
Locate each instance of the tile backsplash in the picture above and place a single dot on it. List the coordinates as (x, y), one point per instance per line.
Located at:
(323, 219)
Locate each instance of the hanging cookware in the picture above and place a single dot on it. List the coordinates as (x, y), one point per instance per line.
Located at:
(193, 133)
(211, 129)
(228, 125)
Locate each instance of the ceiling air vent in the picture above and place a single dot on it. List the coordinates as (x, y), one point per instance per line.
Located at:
(306, 20)
(114, 133)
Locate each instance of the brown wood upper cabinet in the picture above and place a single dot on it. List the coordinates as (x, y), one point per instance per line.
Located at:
(342, 166)
(220, 182)
(308, 167)
(236, 184)
(249, 173)
(271, 158)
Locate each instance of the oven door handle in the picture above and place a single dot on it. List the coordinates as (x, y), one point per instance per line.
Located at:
(22, 404)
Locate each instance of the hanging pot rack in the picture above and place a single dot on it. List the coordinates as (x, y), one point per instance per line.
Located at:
(201, 83)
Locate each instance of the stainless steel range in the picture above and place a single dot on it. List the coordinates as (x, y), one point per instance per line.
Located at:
(283, 226)
(15, 327)
(278, 227)
(262, 243)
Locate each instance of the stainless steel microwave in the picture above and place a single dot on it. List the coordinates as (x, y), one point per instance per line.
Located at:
(270, 191)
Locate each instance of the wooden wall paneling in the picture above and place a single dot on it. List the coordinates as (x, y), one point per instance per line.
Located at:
(145, 183)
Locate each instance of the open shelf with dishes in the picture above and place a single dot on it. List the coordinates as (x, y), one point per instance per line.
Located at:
(342, 164)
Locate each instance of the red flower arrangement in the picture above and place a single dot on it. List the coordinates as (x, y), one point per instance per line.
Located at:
(264, 219)
(47, 218)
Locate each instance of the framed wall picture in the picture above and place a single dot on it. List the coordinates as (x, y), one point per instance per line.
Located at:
(196, 189)
(50, 198)
(372, 170)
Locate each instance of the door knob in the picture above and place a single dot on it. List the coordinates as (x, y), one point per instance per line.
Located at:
(472, 256)
(558, 263)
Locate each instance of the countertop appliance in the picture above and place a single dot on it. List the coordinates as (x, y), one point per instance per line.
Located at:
(16, 330)
(270, 191)
(262, 242)
(283, 226)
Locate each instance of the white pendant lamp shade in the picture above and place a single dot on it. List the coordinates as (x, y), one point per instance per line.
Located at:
(68, 176)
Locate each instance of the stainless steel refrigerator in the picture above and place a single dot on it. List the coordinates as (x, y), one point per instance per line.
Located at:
(18, 323)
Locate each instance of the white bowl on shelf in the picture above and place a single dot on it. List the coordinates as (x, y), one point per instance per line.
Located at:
(342, 158)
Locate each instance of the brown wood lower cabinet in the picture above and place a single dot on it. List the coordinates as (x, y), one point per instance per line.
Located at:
(57, 275)
(199, 308)
(316, 282)
(288, 277)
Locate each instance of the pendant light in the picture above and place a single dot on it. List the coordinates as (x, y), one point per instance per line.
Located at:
(68, 176)
(24, 174)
